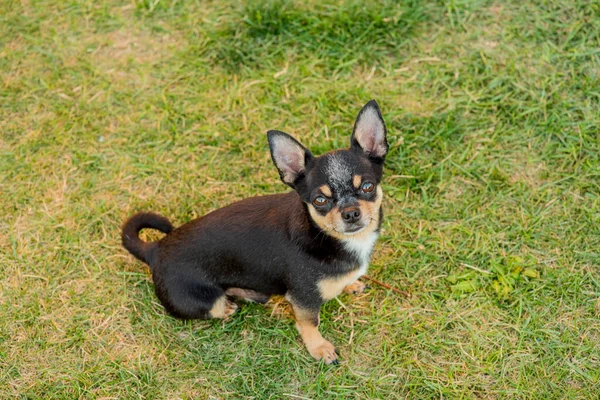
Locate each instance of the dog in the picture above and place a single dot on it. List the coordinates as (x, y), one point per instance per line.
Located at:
(309, 244)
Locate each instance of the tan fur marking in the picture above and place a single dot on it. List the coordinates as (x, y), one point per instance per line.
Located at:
(332, 287)
(333, 224)
(370, 208)
(356, 181)
(319, 348)
(324, 222)
(222, 308)
(326, 190)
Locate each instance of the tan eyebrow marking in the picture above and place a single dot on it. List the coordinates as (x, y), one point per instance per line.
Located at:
(356, 180)
(325, 190)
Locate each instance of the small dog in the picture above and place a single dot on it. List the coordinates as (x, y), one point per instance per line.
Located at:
(309, 244)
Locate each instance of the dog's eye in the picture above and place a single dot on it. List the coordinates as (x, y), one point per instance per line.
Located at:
(367, 187)
(320, 201)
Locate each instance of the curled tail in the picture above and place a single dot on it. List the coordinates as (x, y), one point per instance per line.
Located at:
(143, 251)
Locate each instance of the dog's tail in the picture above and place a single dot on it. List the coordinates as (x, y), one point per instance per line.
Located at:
(143, 251)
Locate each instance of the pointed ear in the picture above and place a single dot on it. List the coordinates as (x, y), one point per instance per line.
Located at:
(369, 132)
(289, 156)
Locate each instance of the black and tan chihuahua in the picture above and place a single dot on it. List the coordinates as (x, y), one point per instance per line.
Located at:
(309, 244)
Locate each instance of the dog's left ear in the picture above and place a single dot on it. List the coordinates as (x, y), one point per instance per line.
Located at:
(369, 134)
(290, 157)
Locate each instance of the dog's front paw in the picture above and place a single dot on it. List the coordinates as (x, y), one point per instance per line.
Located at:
(324, 351)
(355, 288)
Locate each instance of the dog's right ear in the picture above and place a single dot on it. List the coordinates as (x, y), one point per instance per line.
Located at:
(289, 156)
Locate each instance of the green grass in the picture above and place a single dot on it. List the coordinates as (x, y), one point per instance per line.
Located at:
(492, 185)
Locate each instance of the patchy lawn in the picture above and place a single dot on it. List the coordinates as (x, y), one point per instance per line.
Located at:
(492, 184)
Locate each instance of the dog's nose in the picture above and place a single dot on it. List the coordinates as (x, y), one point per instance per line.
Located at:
(351, 215)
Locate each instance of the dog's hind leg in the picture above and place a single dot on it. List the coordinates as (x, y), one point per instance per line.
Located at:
(196, 300)
(222, 308)
(247, 294)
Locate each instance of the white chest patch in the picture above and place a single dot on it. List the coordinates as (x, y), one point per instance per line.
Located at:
(362, 247)
(331, 287)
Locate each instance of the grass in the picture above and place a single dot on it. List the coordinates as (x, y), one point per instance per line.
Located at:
(492, 184)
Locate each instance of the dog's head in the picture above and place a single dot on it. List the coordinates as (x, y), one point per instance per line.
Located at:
(341, 188)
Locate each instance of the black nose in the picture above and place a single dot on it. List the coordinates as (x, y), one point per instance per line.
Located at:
(351, 215)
